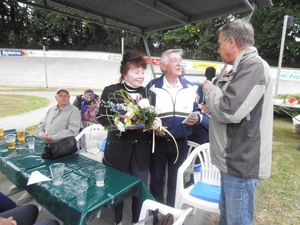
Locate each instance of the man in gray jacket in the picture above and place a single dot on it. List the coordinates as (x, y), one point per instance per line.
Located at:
(62, 120)
(241, 124)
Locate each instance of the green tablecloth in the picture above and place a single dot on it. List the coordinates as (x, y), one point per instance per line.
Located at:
(60, 200)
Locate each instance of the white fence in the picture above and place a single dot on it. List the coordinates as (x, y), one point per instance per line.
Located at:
(81, 69)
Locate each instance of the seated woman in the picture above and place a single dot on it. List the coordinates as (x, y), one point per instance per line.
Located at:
(88, 104)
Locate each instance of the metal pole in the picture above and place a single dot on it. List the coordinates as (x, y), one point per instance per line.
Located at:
(122, 46)
(46, 77)
(149, 56)
(286, 17)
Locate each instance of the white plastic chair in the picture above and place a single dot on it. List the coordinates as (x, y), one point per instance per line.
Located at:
(194, 169)
(93, 136)
(179, 214)
(192, 145)
(210, 176)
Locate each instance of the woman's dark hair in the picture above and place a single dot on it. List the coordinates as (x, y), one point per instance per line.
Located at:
(131, 58)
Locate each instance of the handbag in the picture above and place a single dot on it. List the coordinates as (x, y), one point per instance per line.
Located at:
(160, 219)
(60, 148)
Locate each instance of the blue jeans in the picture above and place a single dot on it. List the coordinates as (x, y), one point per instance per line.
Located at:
(237, 200)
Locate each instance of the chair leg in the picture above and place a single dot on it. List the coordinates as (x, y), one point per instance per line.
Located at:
(194, 211)
(99, 214)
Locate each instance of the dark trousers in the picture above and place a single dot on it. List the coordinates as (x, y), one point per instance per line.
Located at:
(6, 203)
(199, 135)
(26, 215)
(165, 155)
(136, 203)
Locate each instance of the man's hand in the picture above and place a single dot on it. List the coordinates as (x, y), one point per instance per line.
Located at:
(206, 84)
(191, 121)
(204, 108)
(8, 221)
(46, 137)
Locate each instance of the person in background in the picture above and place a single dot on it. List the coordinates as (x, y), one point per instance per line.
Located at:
(200, 132)
(62, 120)
(10, 214)
(129, 151)
(175, 98)
(88, 104)
(240, 131)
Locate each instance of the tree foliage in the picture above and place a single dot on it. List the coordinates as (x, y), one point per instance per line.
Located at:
(28, 27)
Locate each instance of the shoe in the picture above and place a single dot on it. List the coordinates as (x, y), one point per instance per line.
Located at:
(24, 198)
(40, 208)
(13, 189)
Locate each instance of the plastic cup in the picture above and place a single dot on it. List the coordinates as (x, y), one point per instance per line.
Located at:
(10, 140)
(57, 172)
(21, 134)
(1, 131)
(99, 175)
(30, 142)
(81, 191)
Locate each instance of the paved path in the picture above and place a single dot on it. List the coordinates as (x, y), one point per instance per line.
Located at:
(33, 117)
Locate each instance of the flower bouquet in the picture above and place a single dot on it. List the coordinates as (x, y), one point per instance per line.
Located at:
(130, 113)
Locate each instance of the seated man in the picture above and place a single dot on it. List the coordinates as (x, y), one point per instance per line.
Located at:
(62, 120)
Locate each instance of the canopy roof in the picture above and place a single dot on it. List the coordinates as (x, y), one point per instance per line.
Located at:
(143, 16)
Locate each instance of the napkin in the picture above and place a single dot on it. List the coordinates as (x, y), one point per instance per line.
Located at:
(36, 177)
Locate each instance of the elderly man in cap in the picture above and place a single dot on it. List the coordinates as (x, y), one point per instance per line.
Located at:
(62, 120)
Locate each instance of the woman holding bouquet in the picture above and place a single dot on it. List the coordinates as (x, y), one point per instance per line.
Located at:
(129, 145)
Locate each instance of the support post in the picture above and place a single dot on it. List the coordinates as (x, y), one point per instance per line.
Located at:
(149, 56)
(286, 17)
(45, 60)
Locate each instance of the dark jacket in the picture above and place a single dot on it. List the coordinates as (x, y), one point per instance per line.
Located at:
(121, 147)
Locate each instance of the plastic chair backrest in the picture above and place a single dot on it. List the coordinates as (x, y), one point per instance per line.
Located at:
(210, 174)
(93, 135)
(192, 145)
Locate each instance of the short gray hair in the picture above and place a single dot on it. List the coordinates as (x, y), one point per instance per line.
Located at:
(164, 56)
(241, 30)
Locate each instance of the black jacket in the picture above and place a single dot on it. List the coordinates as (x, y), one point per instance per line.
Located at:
(121, 147)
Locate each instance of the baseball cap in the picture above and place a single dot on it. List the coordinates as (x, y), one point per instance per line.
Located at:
(62, 90)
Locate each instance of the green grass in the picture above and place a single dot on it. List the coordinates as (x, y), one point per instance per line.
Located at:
(278, 198)
(17, 104)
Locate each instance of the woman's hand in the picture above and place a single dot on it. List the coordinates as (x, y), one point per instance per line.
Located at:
(157, 124)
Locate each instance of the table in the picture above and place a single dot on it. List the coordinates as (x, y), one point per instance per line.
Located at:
(60, 200)
(286, 105)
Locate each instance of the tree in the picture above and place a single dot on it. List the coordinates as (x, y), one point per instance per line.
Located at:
(25, 27)
(268, 25)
